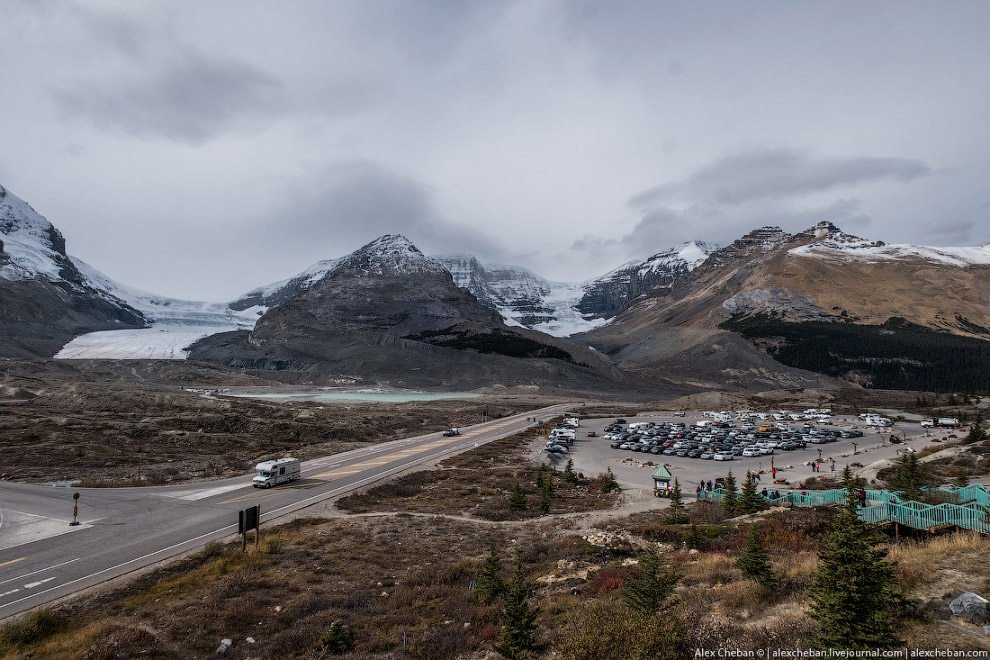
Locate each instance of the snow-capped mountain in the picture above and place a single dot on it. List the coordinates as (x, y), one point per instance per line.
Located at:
(30, 246)
(832, 243)
(45, 299)
(610, 294)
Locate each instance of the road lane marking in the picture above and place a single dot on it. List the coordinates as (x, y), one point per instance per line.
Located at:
(40, 570)
(12, 561)
(32, 585)
(131, 561)
(7, 593)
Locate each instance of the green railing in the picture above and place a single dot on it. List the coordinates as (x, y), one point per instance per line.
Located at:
(972, 493)
(887, 506)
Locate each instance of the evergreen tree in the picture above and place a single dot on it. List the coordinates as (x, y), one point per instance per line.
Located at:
(607, 482)
(490, 585)
(976, 433)
(338, 639)
(541, 475)
(570, 476)
(651, 583)
(750, 500)
(910, 476)
(695, 540)
(852, 591)
(546, 494)
(677, 514)
(730, 495)
(518, 618)
(961, 479)
(754, 561)
(517, 501)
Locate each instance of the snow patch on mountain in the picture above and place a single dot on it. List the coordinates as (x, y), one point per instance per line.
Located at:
(833, 243)
(567, 319)
(31, 245)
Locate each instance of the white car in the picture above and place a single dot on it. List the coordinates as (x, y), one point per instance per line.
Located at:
(723, 456)
(750, 452)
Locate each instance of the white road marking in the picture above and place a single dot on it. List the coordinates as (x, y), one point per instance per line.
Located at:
(32, 585)
(40, 570)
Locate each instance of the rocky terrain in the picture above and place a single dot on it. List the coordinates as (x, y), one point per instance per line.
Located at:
(396, 317)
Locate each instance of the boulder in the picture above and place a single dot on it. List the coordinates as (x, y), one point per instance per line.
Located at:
(970, 605)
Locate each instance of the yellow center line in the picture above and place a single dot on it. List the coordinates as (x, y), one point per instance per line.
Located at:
(13, 561)
(337, 473)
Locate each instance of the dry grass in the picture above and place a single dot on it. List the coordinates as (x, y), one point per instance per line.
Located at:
(106, 432)
(478, 484)
(942, 565)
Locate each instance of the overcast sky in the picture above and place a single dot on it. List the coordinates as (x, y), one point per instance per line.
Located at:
(201, 148)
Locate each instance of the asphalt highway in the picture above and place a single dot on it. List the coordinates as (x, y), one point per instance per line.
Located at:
(43, 558)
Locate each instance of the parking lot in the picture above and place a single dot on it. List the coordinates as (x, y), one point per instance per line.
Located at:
(751, 449)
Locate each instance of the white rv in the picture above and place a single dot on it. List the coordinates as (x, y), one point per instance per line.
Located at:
(273, 473)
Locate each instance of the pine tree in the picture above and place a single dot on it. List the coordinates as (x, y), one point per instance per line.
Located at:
(976, 433)
(518, 618)
(541, 475)
(754, 561)
(607, 482)
(961, 479)
(651, 583)
(546, 494)
(730, 494)
(852, 591)
(489, 585)
(695, 540)
(677, 514)
(750, 500)
(910, 476)
(570, 476)
(517, 501)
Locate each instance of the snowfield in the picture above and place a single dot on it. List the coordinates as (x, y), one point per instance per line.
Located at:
(166, 341)
(175, 324)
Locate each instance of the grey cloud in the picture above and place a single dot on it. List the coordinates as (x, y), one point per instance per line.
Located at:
(777, 174)
(664, 227)
(192, 99)
(335, 209)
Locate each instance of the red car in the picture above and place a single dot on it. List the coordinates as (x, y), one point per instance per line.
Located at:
(592, 434)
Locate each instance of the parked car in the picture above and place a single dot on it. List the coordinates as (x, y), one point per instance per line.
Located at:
(724, 456)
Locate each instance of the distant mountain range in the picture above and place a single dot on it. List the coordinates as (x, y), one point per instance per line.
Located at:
(749, 315)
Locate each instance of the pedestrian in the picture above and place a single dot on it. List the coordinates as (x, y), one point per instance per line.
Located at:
(763, 492)
(697, 492)
(862, 497)
(756, 477)
(774, 473)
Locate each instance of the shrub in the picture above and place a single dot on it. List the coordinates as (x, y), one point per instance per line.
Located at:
(338, 638)
(32, 628)
(608, 579)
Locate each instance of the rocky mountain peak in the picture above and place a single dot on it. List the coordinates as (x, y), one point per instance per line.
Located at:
(391, 254)
(827, 235)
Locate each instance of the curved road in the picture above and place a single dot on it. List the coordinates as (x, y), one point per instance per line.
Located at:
(42, 558)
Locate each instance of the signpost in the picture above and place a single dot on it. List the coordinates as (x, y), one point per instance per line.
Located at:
(249, 519)
(75, 510)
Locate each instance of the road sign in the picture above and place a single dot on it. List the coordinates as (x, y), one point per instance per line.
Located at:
(248, 519)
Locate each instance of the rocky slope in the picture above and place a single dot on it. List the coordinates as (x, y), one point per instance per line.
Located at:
(610, 294)
(818, 276)
(44, 299)
(389, 315)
